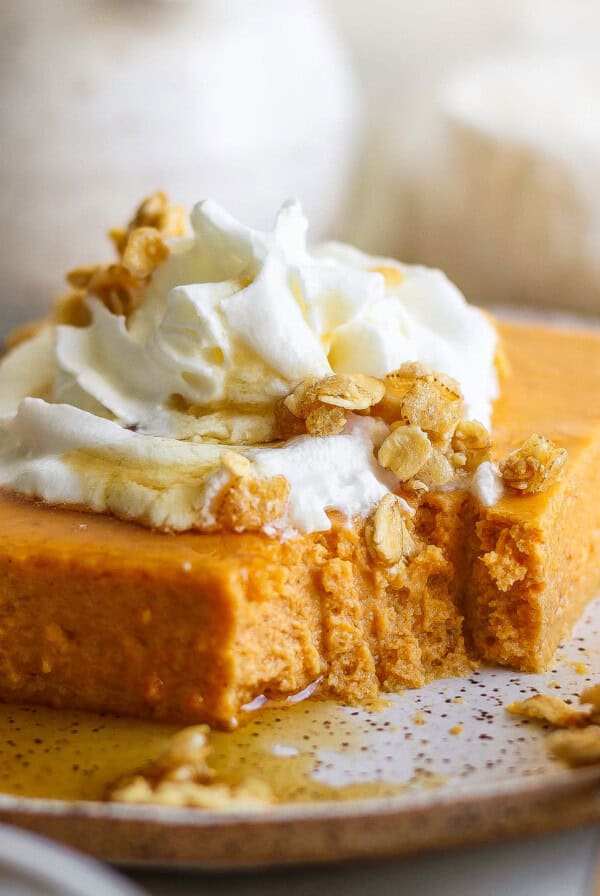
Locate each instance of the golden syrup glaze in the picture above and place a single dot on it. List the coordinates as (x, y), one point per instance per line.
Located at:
(72, 755)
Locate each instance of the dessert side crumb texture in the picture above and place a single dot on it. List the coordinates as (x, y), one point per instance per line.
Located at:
(193, 626)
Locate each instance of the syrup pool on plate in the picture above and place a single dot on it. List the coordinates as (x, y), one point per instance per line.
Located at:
(69, 755)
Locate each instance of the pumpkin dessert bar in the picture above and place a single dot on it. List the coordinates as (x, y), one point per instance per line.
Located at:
(103, 614)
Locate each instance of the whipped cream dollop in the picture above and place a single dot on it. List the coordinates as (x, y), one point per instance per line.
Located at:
(132, 416)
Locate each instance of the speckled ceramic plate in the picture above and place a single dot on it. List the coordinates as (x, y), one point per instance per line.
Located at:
(436, 767)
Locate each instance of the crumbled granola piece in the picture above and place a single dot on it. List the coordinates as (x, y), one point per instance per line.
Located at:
(411, 371)
(355, 392)
(72, 309)
(186, 754)
(251, 794)
(182, 777)
(392, 276)
(418, 398)
(183, 760)
(287, 424)
(150, 210)
(80, 278)
(417, 395)
(581, 747)
(249, 503)
(437, 470)
(534, 466)
(547, 708)
(304, 396)
(156, 211)
(398, 384)
(119, 286)
(470, 441)
(113, 284)
(388, 537)
(144, 251)
(433, 408)
(323, 403)
(323, 420)
(405, 451)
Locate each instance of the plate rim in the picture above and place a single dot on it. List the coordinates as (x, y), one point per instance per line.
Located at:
(303, 833)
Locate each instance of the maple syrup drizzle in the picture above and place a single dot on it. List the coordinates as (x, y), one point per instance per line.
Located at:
(75, 755)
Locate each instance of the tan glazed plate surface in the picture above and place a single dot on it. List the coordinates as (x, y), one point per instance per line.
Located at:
(440, 766)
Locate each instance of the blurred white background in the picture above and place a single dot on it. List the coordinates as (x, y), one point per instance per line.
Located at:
(459, 134)
(484, 144)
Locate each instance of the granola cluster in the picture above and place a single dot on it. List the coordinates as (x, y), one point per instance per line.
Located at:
(430, 443)
(534, 466)
(141, 248)
(182, 777)
(577, 742)
(155, 212)
(320, 407)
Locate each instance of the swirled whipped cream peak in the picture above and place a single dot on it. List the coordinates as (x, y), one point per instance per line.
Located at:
(217, 376)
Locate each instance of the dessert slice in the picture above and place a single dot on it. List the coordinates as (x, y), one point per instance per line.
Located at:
(232, 466)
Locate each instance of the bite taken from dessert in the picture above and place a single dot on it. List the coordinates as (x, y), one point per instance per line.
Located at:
(234, 465)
